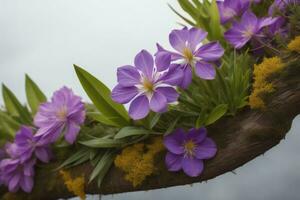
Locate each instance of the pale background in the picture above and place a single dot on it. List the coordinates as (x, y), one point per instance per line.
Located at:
(45, 37)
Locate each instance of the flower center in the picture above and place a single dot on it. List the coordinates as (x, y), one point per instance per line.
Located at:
(148, 85)
(229, 12)
(62, 112)
(188, 55)
(248, 32)
(189, 148)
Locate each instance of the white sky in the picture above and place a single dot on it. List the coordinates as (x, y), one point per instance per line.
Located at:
(45, 37)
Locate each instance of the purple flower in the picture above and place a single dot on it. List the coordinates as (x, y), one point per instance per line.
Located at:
(229, 9)
(28, 144)
(278, 28)
(188, 150)
(147, 86)
(65, 113)
(191, 53)
(15, 174)
(248, 28)
(281, 5)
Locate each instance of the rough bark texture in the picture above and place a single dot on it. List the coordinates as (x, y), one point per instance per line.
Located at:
(240, 139)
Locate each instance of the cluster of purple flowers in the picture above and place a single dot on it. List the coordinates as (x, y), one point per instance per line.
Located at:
(64, 114)
(246, 27)
(151, 83)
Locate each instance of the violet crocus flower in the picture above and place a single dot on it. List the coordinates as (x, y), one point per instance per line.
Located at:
(65, 113)
(188, 150)
(191, 53)
(229, 9)
(281, 5)
(28, 144)
(15, 174)
(147, 86)
(248, 28)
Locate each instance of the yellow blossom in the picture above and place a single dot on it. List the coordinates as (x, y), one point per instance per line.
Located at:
(294, 45)
(261, 84)
(137, 161)
(74, 185)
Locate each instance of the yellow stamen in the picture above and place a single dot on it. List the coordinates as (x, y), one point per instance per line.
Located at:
(187, 53)
(248, 32)
(189, 148)
(149, 87)
(62, 113)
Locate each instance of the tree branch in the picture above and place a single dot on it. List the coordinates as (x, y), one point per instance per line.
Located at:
(239, 139)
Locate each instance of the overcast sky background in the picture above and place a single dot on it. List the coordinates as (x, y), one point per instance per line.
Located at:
(44, 38)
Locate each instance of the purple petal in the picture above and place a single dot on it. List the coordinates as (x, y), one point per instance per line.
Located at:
(26, 183)
(169, 92)
(174, 142)
(71, 133)
(174, 56)
(23, 135)
(226, 11)
(162, 60)
(205, 70)
(249, 19)
(187, 77)
(144, 62)
(206, 150)
(158, 102)
(267, 21)
(128, 76)
(42, 154)
(211, 51)
(123, 95)
(173, 161)
(13, 184)
(196, 135)
(195, 37)
(139, 108)
(173, 76)
(178, 39)
(193, 167)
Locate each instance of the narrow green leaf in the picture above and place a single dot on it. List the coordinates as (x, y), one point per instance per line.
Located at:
(12, 123)
(154, 120)
(107, 164)
(101, 118)
(101, 97)
(216, 114)
(132, 131)
(14, 107)
(73, 158)
(102, 143)
(34, 95)
(181, 16)
(172, 126)
(102, 166)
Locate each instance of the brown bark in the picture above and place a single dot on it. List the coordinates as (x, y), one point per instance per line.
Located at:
(239, 139)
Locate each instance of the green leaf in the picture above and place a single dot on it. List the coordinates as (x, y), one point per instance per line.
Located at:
(34, 95)
(101, 97)
(172, 126)
(101, 118)
(14, 107)
(74, 157)
(216, 114)
(8, 126)
(102, 143)
(154, 120)
(132, 131)
(102, 167)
